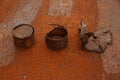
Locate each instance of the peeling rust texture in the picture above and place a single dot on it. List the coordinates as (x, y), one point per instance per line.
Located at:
(57, 39)
(23, 36)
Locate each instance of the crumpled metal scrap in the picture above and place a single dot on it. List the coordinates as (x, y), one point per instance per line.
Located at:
(95, 41)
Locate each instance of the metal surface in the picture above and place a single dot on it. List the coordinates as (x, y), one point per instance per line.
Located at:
(97, 41)
(25, 42)
(57, 39)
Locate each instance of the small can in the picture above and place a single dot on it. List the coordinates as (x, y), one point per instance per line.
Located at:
(57, 39)
(23, 36)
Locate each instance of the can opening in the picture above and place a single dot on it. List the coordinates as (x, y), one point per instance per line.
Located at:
(23, 31)
(57, 34)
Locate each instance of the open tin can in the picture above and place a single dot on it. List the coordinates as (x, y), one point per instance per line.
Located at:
(23, 36)
(57, 39)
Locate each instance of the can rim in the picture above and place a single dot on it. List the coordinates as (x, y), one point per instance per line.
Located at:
(66, 34)
(33, 30)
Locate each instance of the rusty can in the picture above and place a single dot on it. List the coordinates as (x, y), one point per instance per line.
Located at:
(57, 39)
(23, 36)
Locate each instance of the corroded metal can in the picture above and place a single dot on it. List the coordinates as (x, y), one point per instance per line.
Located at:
(57, 39)
(23, 36)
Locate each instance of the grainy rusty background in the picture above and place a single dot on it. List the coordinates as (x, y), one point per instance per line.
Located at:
(41, 63)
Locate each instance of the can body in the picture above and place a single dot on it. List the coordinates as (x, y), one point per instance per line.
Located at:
(57, 44)
(25, 42)
(57, 39)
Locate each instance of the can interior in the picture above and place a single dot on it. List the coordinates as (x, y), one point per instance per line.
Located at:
(57, 33)
(23, 31)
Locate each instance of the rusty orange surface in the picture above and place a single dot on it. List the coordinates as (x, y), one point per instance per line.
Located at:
(41, 63)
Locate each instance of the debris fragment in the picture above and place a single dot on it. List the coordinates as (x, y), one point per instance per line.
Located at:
(97, 41)
(85, 35)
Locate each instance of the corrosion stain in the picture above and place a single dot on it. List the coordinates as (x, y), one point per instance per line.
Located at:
(39, 62)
